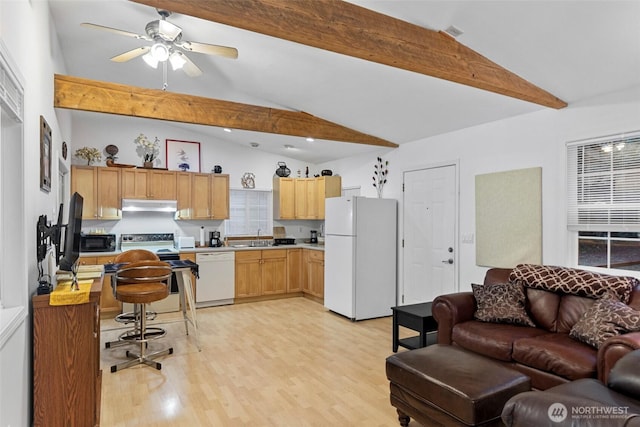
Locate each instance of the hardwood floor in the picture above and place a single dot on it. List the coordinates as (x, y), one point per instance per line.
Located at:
(278, 363)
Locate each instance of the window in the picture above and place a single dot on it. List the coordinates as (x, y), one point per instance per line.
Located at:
(249, 211)
(604, 200)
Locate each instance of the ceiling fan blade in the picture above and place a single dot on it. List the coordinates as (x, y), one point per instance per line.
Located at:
(134, 53)
(115, 31)
(209, 49)
(189, 68)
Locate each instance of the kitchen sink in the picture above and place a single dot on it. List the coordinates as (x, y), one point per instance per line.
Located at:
(259, 243)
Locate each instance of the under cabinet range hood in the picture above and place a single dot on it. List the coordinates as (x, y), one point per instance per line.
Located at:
(144, 205)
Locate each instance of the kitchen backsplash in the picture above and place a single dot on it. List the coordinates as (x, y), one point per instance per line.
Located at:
(162, 222)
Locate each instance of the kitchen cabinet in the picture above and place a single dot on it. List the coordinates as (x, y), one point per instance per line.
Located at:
(66, 362)
(303, 198)
(183, 196)
(148, 184)
(260, 272)
(209, 196)
(314, 283)
(284, 198)
(294, 270)
(100, 189)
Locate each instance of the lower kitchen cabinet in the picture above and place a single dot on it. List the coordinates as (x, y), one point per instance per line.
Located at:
(314, 283)
(294, 270)
(66, 362)
(260, 273)
(109, 305)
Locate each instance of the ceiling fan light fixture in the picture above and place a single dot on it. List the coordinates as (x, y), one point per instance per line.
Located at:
(160, 52)
(177, 60)
(150, 60)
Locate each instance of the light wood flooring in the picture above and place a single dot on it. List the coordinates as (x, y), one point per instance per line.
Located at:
(286, 362)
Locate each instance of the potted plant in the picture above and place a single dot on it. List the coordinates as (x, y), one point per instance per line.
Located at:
(147, 149)
(90, 154)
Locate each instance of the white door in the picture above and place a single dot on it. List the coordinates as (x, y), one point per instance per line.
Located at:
(429, 224)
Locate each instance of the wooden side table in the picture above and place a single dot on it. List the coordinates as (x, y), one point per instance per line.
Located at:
(418, 318)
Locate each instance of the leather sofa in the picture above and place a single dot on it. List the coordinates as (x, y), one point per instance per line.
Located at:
(544, 351)
(586, 402)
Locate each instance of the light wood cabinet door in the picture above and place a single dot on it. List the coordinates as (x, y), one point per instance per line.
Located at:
(326, 186)
(274, 271)
(135, 183)
(219, 196)
(312, 199)
(294, 270)
(162, 185)
(316, 273)
(284, 194)
(301, 198)
(109, 305)
(200, 193)
(84, 180)
(109, 193)
(248, 273)
(183, 194)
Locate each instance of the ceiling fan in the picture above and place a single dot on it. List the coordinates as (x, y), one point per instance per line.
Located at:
(166, 45)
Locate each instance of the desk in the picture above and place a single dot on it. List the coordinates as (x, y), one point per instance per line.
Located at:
(417, 317)
(183, 269)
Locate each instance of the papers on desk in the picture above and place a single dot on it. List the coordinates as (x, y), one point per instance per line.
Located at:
(85, 272)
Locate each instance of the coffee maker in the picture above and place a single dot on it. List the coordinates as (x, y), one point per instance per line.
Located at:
(314, 237)
(214, 239)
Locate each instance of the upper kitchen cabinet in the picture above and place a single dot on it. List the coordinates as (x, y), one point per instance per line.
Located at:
(100, 188)
(209, 196)
(303, 198)
(149, 184)
(183, 183)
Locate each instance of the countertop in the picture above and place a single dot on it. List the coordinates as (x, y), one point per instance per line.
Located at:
(316, 247)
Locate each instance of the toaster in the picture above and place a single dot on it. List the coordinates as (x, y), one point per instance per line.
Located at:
(186, 242)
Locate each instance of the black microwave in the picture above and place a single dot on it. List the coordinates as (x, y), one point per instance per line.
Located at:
(98, 243)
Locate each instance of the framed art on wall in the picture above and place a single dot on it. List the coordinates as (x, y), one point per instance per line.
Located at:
(45, 155)
(183, 155)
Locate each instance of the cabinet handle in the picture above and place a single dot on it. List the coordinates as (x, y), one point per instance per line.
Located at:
(96, 326)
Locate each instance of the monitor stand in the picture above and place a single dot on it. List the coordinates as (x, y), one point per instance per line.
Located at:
(74, 278)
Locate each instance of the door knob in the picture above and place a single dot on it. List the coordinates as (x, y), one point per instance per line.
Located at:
(447, 261)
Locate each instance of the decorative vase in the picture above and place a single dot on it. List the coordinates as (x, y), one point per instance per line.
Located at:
(147, 165)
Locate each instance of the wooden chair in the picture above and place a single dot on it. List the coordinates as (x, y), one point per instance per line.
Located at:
(142, 283)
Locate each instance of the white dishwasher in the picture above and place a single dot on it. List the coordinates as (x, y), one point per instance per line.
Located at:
(216, 285)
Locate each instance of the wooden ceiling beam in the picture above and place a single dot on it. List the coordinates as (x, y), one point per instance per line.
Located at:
(103, 97)
(352, 30)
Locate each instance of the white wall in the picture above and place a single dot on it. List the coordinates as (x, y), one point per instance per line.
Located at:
(536, 139)
(25, 30)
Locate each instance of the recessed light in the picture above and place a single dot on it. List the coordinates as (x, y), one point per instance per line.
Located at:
(254, 144)
(309, 139)
(454, 31)
(288, 146)
(227, 130)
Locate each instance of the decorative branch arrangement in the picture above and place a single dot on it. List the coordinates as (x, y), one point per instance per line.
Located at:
(380, 175)
(90, 154)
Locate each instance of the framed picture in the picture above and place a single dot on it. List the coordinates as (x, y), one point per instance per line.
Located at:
(45, 155)
(183, 155)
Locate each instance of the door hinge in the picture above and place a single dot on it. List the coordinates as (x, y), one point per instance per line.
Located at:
(403, 187)
(403, 298)
(403, 243)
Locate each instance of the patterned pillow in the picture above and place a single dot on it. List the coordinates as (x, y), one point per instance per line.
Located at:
(606, 318)
(501, 303)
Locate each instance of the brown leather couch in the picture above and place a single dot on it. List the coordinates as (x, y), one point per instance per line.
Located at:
(546, 353)
(586, 402)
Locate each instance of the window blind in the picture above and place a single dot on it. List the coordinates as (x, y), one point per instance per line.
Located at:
(249, 210)
(604, 184)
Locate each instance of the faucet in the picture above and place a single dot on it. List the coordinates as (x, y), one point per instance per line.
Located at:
(258, 238)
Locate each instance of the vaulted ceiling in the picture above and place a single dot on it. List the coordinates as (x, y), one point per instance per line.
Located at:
(383, 69)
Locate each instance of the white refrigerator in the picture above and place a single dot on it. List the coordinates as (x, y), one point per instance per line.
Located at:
(360, 256)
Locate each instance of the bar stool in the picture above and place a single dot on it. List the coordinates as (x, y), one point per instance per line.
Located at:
(132, 255)
(141, 283)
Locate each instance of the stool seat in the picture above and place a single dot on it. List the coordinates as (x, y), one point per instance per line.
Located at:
(445, 385)
(143, 293)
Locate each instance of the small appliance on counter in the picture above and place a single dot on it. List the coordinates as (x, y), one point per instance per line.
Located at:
(281, 241)
(97, 242)
(214, 239)
(186, 242)
(314, 237)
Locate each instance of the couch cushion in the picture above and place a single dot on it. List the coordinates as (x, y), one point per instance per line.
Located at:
(573, 281)
(491, 339)
(558, 354)
(606, 318)
(501, 303)
(542, 307)
(571, 309)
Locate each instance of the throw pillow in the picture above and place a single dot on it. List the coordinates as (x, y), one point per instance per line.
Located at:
(606, 318)
(501, 303)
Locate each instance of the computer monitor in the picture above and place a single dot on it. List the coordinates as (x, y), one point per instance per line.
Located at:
(72, 232)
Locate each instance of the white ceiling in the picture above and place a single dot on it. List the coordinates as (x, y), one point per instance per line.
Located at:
(574, 49)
